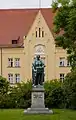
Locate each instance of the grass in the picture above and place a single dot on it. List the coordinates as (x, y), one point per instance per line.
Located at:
(59, 114)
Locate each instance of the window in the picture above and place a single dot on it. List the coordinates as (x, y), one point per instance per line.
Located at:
(10, 62)
(68, 63)
(36, 33)
(10, 78)
(62, 77)
(17, 62)
(14, 41)
(62, 60)
(39, 32)
(17, 78)
(42, 33)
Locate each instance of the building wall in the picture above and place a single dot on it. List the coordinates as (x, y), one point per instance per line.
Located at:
(13, 53)
(60, 53)
(31, 42)
(49, 51)
(45, 46)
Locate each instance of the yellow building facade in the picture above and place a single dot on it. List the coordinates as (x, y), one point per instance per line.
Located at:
(16, 62)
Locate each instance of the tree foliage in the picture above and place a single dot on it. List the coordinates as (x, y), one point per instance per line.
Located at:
(65, 27)
(65, 33)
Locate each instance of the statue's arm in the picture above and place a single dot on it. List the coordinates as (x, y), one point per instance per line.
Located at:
(43, 65)
(34, 66)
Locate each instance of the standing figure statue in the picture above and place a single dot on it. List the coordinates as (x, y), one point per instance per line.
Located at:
(38, 71)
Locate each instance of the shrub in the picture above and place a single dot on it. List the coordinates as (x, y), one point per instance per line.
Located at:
(18, 96)
(21, 95)
(70, 90)
(57, 94)
(54, 94)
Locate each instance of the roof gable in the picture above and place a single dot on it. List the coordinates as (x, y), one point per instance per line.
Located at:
(15, 23)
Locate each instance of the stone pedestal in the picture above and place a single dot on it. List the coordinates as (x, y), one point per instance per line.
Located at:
(37, 102)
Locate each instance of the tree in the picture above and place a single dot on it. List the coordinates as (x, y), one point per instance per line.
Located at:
(65, 33)
(65, 27)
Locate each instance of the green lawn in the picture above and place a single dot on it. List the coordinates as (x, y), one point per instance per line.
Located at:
(59, 114)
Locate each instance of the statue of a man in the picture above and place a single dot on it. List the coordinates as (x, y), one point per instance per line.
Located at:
(38, 71)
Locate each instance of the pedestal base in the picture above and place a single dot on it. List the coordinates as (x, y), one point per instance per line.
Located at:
(37, 103)
(38, 111)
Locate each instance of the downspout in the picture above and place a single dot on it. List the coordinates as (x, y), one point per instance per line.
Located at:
(1, 61)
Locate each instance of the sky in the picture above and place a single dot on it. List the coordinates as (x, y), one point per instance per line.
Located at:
(7, 4)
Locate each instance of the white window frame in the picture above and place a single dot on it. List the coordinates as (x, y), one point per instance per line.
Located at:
(10, 78)
(17, 78)
(10, 62)
(62, 61)
(17, 62)
(62, 76)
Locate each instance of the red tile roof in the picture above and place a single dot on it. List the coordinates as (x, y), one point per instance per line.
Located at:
(15, 23)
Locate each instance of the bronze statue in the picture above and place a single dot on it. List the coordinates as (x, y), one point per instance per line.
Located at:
(38, 71)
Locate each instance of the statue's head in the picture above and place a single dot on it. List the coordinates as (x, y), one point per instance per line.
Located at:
(38, 57)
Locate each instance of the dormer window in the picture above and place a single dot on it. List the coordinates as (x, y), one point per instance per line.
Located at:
(14, 41)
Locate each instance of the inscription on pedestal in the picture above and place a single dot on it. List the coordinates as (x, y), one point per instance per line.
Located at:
(37, 96)
(37, 99)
